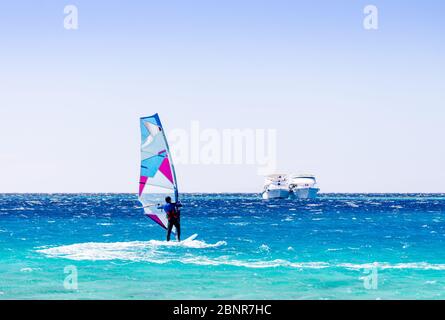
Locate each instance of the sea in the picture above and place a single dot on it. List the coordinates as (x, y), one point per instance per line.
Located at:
(338, 246)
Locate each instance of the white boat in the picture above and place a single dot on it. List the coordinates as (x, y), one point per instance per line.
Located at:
(275, 187)
(303, 186)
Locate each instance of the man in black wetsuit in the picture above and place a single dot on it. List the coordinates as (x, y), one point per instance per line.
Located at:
(173, 216)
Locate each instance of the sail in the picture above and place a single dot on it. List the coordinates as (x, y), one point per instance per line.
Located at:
(157, 178)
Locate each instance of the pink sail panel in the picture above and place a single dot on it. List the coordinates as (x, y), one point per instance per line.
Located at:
(156, 219)
(142, 182)
(166, 170)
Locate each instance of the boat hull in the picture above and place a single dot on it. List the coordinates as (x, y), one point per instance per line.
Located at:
(304, 193)
(276, 194)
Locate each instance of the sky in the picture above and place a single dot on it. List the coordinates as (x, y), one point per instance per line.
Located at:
(361, 109)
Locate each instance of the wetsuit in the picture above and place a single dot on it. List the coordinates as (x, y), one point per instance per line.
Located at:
(173, 217)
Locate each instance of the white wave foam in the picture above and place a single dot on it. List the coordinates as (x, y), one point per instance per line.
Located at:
(148, 251)
(431, 282)
(29, 269)
(98, 251)
(264, 247)
(197, 244)
(134, 250)
(385, 265)
(253, 264)
(352, 204)
(139, 251)
(240, 224)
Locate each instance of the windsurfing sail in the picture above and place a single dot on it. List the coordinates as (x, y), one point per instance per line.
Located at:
(158, 177)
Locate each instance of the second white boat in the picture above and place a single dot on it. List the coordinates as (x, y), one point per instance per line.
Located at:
(303, 186)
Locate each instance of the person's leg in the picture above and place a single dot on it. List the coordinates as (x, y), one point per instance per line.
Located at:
(169, 229)
(178, 230)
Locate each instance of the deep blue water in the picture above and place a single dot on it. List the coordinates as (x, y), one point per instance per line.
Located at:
(351, 246)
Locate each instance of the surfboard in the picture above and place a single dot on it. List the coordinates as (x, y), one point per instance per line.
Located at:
(191, 238)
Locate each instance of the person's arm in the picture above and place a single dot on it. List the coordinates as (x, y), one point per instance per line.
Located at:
(179, 204)
(160, 206)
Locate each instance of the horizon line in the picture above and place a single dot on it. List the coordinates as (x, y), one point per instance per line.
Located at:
(135, 193)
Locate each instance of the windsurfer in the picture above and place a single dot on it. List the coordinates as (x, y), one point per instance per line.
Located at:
(173, 216)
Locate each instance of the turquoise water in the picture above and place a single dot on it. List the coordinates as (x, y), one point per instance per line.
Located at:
(335, 247)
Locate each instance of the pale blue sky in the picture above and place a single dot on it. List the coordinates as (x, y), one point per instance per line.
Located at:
(363, 110)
